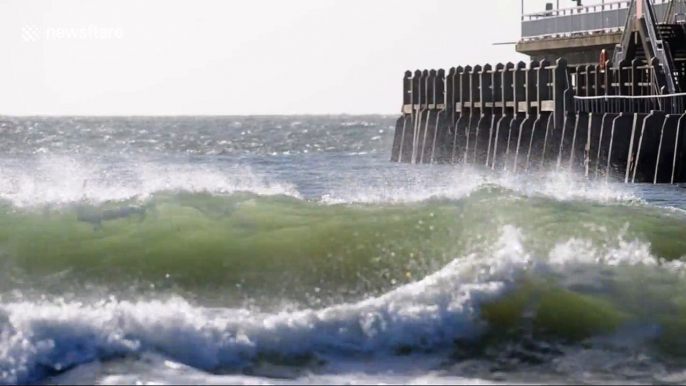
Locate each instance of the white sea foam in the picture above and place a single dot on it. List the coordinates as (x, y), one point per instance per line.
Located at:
(347, 379)
(50, 179)
(458, 182)
(55, 179)
(428, 314)
(615, 250)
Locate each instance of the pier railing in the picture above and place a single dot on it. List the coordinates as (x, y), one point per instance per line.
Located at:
(627, 88)
(609, 17)
(642, 104)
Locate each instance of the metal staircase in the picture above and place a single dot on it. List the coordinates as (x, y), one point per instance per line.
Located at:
(646, 39)
(673, 38)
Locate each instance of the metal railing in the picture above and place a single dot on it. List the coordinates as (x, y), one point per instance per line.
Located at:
(591, 19)
(676, 12)
(601, 104)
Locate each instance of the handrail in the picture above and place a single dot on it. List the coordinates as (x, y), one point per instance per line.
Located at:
(609, 97)
(584, 9)
(626, 35)
(608, 5)
(667, 103)
(672, 11)
(668, 17)
(609, 17)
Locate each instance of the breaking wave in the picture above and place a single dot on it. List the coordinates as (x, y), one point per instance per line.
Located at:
(458, 307)
(228, 272)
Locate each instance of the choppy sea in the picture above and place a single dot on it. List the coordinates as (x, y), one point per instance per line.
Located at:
(289, 250)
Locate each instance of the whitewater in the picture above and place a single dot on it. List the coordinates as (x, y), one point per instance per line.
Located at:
(289, 250)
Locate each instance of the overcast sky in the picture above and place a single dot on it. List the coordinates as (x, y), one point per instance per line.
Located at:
(229, 57)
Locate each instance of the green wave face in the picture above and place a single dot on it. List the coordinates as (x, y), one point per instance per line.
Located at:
(281, 242)
(602, 259)
(267, 245)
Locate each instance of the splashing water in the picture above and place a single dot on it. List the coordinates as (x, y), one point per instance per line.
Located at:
(284, 250)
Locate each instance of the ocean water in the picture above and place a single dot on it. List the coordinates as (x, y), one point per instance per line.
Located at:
(289, 250)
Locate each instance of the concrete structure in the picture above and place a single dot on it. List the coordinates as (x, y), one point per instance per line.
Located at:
(579, 50)
(580, 34)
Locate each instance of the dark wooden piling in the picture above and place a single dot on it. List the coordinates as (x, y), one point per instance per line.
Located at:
(646, 152)
(538, 142)
(668, 150)
(520, 110)
(594, 135)
(679, 162)
(483, 126)
(462, 124)
(442, 124)
(401, 123)
(578, 155)
(502, 126)
(618, 147)
(474, 116)
(604, 141)
(530, 109)
(428, 122)
(498, 100)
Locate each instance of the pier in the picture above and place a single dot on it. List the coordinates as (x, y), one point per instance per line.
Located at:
(621, 117)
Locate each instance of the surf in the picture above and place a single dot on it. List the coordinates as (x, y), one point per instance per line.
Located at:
(476, 302)
(203, 270)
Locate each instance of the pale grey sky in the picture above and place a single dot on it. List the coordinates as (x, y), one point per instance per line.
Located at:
(185, 57)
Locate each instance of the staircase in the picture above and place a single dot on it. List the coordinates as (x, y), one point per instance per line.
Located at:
(673, 38)
(646, 39)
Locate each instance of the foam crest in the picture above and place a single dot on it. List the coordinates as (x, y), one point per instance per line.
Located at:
(462, 181)
(614, 251)
(583, 251)
(55, 179)
(426, 314)
(50, 179)
(426, 184)
(347, 379)
(567, 186)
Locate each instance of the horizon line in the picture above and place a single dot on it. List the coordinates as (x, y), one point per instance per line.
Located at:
(192, 115)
